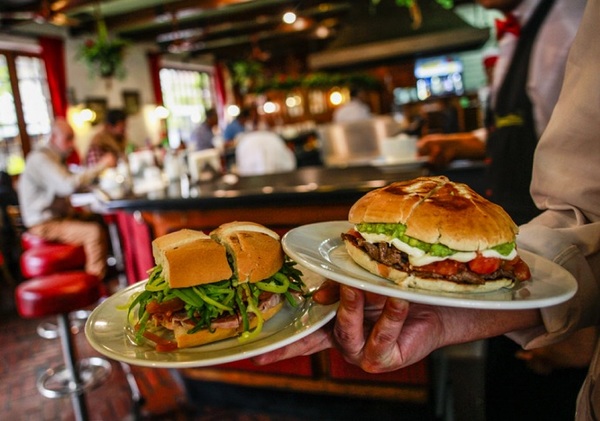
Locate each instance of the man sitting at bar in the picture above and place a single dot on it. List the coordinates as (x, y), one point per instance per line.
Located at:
(44, 189)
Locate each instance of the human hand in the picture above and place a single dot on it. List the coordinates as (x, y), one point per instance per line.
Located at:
(440, 148)
(327, 293)
(108, 160)
(375, 332)
(381, 334)
(576, 351)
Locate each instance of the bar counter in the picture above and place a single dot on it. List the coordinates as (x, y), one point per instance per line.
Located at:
(314, 184)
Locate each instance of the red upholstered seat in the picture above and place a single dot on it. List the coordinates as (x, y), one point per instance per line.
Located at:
(52, 258)
(55, 294)
(29, 241)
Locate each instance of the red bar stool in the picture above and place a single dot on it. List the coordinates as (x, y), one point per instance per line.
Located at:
(47, 258)
(59, 295)
(29, 241)
(42, 257)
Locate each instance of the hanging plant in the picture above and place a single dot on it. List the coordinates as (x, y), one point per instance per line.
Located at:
(315, 81)
(247, 74)
(103, 56)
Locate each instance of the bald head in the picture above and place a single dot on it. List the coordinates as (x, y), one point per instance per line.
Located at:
(62, 136)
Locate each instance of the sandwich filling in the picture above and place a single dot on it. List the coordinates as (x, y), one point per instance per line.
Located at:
(388, 244)
(224, 304)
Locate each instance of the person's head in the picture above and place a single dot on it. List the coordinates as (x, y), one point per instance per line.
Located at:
(115, 123)
(504, 6)
(244, 115)
(358, 93)
(211, 117)
(62, 137)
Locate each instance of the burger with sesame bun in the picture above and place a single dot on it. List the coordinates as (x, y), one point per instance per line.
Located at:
(434, 234)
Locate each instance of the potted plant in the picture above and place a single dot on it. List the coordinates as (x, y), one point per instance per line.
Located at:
(103, 55)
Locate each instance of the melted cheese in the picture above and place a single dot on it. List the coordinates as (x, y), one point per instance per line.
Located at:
(418, 257)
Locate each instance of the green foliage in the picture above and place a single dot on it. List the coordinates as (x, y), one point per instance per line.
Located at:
(103, 56)
(250, 77)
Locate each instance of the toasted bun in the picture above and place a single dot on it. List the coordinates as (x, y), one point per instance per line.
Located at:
(436, 210)
(172, 240)
(256, 250)
(204, 336)
(407, 280)
(190, 258)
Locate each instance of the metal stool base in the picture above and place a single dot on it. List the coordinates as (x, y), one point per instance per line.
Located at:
(58, 382)
(49, 330)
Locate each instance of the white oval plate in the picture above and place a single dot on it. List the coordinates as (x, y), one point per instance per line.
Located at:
(320, 247)
(106, 331)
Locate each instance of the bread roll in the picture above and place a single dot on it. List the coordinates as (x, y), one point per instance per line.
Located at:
(190, 258)
(255, 249)
(436, 210)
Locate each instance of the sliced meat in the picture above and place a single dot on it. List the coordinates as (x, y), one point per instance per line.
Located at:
(391, 256)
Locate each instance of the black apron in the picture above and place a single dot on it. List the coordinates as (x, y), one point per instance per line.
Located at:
(513, 139)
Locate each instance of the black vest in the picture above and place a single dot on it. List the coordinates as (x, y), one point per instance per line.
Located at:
(513, 139)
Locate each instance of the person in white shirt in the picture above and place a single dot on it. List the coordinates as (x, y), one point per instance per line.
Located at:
(263, 152)
(353, 110)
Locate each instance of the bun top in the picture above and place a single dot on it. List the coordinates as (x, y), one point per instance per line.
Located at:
(189, 258)
(256, 250)
(437, 210)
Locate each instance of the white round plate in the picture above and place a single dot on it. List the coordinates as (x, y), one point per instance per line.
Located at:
(106, 331)
(320, 247)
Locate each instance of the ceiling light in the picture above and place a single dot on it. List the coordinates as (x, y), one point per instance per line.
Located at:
(161, 112)
(336, 97)
(289, 17)
(87, 115)
(270, 107)
(322, 32)
(233, 110)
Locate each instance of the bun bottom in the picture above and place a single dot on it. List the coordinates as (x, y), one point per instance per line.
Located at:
(408, 280)
(204, 336)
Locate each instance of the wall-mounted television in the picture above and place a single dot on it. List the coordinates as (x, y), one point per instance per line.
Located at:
(439, 76)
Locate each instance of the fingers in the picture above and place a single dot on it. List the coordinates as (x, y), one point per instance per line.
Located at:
(349, 330)
(317, 341)
(328, 293)
(382, 352)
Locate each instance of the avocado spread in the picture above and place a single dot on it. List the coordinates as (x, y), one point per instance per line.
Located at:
(438, 249)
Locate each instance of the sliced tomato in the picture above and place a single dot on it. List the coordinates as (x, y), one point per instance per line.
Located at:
(354, 233)
(484, 265)
(446, 267)
(166, 307)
